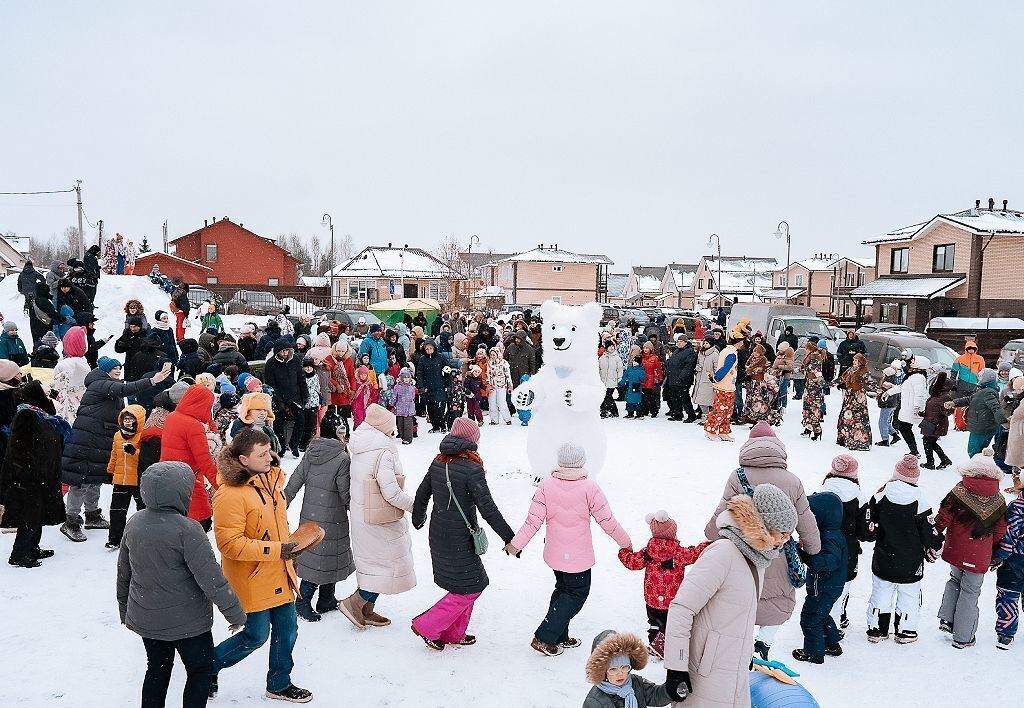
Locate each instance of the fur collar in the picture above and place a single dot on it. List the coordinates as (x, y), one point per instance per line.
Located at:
(231, 472)
(741, 515)
(610, 647)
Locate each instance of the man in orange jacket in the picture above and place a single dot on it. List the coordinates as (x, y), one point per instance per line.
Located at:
(966, 368)
(250, 523)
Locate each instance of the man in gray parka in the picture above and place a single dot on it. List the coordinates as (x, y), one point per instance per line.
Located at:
(167, 582)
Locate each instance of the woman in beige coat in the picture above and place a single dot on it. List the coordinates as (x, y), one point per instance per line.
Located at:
(382, 552)
(703, 391)
(1015, 442)
(707, 637)
(763, 459)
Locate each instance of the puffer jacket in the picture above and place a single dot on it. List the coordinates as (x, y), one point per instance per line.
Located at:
(913, 397)
(228, 355)
(610, 368)
(167, 575)
(984, 414)
(250, 523)
(970, 539)
(184, 440)
(457, 567)
(901, 531)
(323, 473)
(124, 463)
(939, 393)
(664, 562)
(826, 569)
(30, 492)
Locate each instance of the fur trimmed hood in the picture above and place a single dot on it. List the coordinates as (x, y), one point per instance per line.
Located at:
(231, 472)
(609, 644)
(741, 515)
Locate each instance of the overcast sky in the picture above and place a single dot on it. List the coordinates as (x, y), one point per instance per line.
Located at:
(630, 129)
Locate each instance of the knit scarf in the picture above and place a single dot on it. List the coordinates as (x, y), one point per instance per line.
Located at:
(569, 474)
(160, 324)
(986, 511)
(59, 425)
(760, 559)
(625, 691)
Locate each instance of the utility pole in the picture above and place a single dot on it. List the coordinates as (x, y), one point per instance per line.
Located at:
(81, 234)
(165, 235)
(99, 224)
(330, 273)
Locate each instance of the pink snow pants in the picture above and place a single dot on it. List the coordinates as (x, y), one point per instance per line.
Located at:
(448, 619)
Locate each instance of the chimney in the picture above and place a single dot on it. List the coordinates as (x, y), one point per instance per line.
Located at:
(241, 226)
(205, 224)
(556, 246)
(991, 203)
(977, 204)
(226, 219)
(1004, 204)
(389, 244)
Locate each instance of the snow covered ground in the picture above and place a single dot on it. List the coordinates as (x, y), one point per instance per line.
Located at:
(64, 645)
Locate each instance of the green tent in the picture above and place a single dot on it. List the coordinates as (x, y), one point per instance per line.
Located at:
(394, 311)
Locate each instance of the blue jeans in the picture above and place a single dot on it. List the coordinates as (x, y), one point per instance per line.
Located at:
(278, 624)
(783, 390)
(977, 442)
(885, 429)
(369, 596)
(798, 388)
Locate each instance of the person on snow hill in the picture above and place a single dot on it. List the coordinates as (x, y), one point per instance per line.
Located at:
(610, 367)
(913, 398)
(247, 343)
(134, 308)
(565, 502)
(42, 315)
(71, 295)
(967, 367)
(613, 658)
(190, 363)
(209, 319)
(228, 354)
(456, 482)
(664, 562)
(283, 372)
(180, 306)
(251, 528)
(184, 440)
(11, 346)
(763, 459)
(826, 578)
(904, 538)
(129, 344)
(984, 413)
(973, 518)
(87, 453)
(124, 470)
(633, 379)
(717, 425)
(935, 421)
(167, 582)
(256, 411)
(323, 473)
(381, 542)
(711, 619)
(405, 405)
(68, 383)
(30, 495)
(162, 329)
(843, 481)
(679, 374)
(374, 346)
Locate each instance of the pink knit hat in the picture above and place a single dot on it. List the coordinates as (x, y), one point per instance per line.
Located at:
(252, 384)
(662, 525)
(762, 430)
(845, 466)
(466, 429)
(907, 470)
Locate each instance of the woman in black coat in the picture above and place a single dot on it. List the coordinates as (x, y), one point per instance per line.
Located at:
(30, 477)
(430, 379)
(41, 314)
(456, 479)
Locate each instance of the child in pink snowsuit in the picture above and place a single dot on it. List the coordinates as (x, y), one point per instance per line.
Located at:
(474, 393)
(365, 395)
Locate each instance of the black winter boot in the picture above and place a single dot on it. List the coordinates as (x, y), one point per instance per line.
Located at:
(326, 600)
(95, 520)
(72, 528)
(305, 610)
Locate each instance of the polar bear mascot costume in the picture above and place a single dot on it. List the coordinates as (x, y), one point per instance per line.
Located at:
(565, 395)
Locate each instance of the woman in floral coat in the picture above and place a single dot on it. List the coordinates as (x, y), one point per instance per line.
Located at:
(813, 391)
(757, 405)
(854, 427)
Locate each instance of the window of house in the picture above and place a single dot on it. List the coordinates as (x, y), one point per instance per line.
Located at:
(846, 309)
(272, 281)
(899, 260)
(438, 290)
(782, 281)
(902, 314)
(799, 280)
(211, 252)
(506, 272)
(942, 258)
(700, 283)
(362, 289)
(860, 278)
(885, 312)
(556, 298)
(556, 269)
(211, 280)
(851, 279)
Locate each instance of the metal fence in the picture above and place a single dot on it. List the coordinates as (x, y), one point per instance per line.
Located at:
(300, 299)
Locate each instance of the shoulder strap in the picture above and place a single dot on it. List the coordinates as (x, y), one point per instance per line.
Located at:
(451, 493)
(753, 572)
(376, 465)
(742, 476)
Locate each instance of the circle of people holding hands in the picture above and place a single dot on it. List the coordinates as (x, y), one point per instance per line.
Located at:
(192, 431)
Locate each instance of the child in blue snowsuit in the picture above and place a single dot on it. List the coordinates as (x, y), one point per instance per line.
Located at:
(826, 576)
(1010, 574)
(524, 416)
(633, 378)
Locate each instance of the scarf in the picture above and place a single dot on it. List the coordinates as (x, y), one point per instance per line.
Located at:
(625, 691)
(760, 559)
(569, 474)
(59, 425)
(986, 511)
(160, 324)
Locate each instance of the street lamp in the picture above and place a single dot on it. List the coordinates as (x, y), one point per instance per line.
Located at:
(716, 239)
(779, 233)
(330, 273)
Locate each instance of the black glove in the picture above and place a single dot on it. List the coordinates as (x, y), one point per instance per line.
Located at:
(677, 684)
(128, 448)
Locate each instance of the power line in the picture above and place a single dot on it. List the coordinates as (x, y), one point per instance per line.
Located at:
(52, 191)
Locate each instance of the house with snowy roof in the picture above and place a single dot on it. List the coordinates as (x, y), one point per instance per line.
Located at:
(643, 286)
(823, 282)
(548, 273)
(958, 264)
(677, 285)
(233, 255)
(390, 272)
(12, 257)
(743, 279)
(617, 288)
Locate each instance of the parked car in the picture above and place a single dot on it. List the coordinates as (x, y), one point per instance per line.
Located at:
(772, 320)
(639, 315)
(885, 327)
(884, 347)
(197, 295)
(1013, 353)
(347, 317)
(610, 312)
(254, 302)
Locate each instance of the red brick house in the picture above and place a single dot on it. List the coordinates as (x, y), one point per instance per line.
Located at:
(236, 255)
(173, 267)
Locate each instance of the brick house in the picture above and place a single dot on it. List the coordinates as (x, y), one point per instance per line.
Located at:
(823, 282)
(549, 273)
(173, 267)
(744, 279)
(961, 264)
(387, 273)
(235, 255)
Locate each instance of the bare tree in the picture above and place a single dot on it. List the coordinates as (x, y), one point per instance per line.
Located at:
(346, 248)
(448, 253)
(53, 249)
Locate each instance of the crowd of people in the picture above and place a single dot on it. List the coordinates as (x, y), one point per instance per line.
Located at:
(192, 431)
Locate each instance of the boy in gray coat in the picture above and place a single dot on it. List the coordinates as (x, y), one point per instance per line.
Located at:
(167, 580)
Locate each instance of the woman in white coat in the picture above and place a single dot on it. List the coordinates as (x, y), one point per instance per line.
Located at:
(609, 366)
(703, 390)
(382, 552)
(913, 395)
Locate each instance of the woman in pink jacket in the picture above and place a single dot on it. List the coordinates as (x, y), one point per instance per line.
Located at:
(566, 501)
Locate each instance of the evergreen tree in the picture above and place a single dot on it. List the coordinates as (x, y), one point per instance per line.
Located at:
(144, 246)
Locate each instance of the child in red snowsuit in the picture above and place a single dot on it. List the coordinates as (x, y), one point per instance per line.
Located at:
(664, 561)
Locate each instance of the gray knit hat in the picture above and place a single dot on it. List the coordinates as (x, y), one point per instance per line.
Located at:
(776, 510)
(571, 455)
(177, 392)
(987, 376)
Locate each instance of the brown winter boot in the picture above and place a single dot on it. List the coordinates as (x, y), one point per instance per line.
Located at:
(352, 607)
(371, 618)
